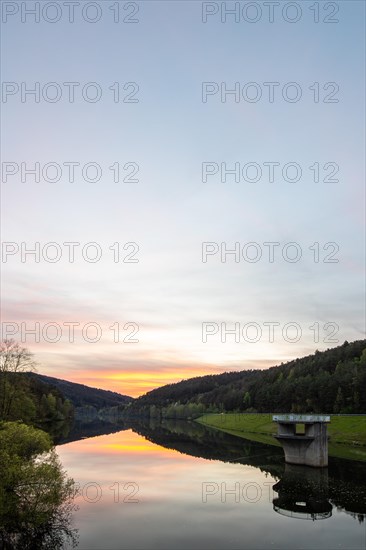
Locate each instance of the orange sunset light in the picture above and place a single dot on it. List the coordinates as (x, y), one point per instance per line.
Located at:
(126, 442)
(138, 382)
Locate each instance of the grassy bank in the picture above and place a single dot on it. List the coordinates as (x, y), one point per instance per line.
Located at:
(347, 434)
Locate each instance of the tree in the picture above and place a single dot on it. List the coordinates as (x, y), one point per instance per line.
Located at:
(14, 359)
(51, 403)
(338, 403)
(247, 401)
(154, 412)
(36, 496)
(22, 441)
(67, 409)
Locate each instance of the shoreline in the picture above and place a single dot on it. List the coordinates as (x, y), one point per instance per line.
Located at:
(347, 434)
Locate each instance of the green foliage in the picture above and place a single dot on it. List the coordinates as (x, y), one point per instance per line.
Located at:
(80, 395)
(31, 400)
(35, 493)
(36, 496)
(310, 384)
(363, 357)
(247, 400)
(20, 440)
(339, 402)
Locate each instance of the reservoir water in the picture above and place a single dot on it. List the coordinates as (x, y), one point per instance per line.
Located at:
(179, 485)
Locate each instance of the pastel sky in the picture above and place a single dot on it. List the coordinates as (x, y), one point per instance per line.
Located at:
(169, 212)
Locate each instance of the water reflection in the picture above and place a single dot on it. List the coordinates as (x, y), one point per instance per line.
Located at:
(303, 493)
(36, 506)
(309, 493)
(84, 429)
(166, 465)
(142, 483)
(53, 532)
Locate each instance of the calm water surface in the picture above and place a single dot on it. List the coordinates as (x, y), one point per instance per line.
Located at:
(183, 486)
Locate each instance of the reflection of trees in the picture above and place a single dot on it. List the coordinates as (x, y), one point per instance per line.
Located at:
(342, 484)
(36, 496)
(303, 493)
(349, 498)
(81, 430)
(195, 439)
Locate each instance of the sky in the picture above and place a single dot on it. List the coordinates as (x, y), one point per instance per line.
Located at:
(207, 157)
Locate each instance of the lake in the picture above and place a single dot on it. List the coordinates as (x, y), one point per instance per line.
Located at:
(180, 485)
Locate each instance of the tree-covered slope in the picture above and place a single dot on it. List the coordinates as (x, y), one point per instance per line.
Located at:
(31, 399)
(332, 381)
(81, 395)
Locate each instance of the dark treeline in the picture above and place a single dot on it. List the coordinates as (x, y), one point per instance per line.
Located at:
(81, 395)
(332, 381)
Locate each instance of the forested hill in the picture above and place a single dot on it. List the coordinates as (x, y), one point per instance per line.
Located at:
(31, 400)
(81, 395)
(331, 381)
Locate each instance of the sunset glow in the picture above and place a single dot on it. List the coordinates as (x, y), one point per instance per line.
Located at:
(194, 260)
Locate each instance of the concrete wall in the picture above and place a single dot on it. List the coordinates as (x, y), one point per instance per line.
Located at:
(310, 449)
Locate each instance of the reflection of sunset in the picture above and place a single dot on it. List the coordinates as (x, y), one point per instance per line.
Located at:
(133, 448)
(125, 443)
(162, 476)
(134, 494)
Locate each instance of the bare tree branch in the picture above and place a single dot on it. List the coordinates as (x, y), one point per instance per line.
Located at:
(15, 358)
